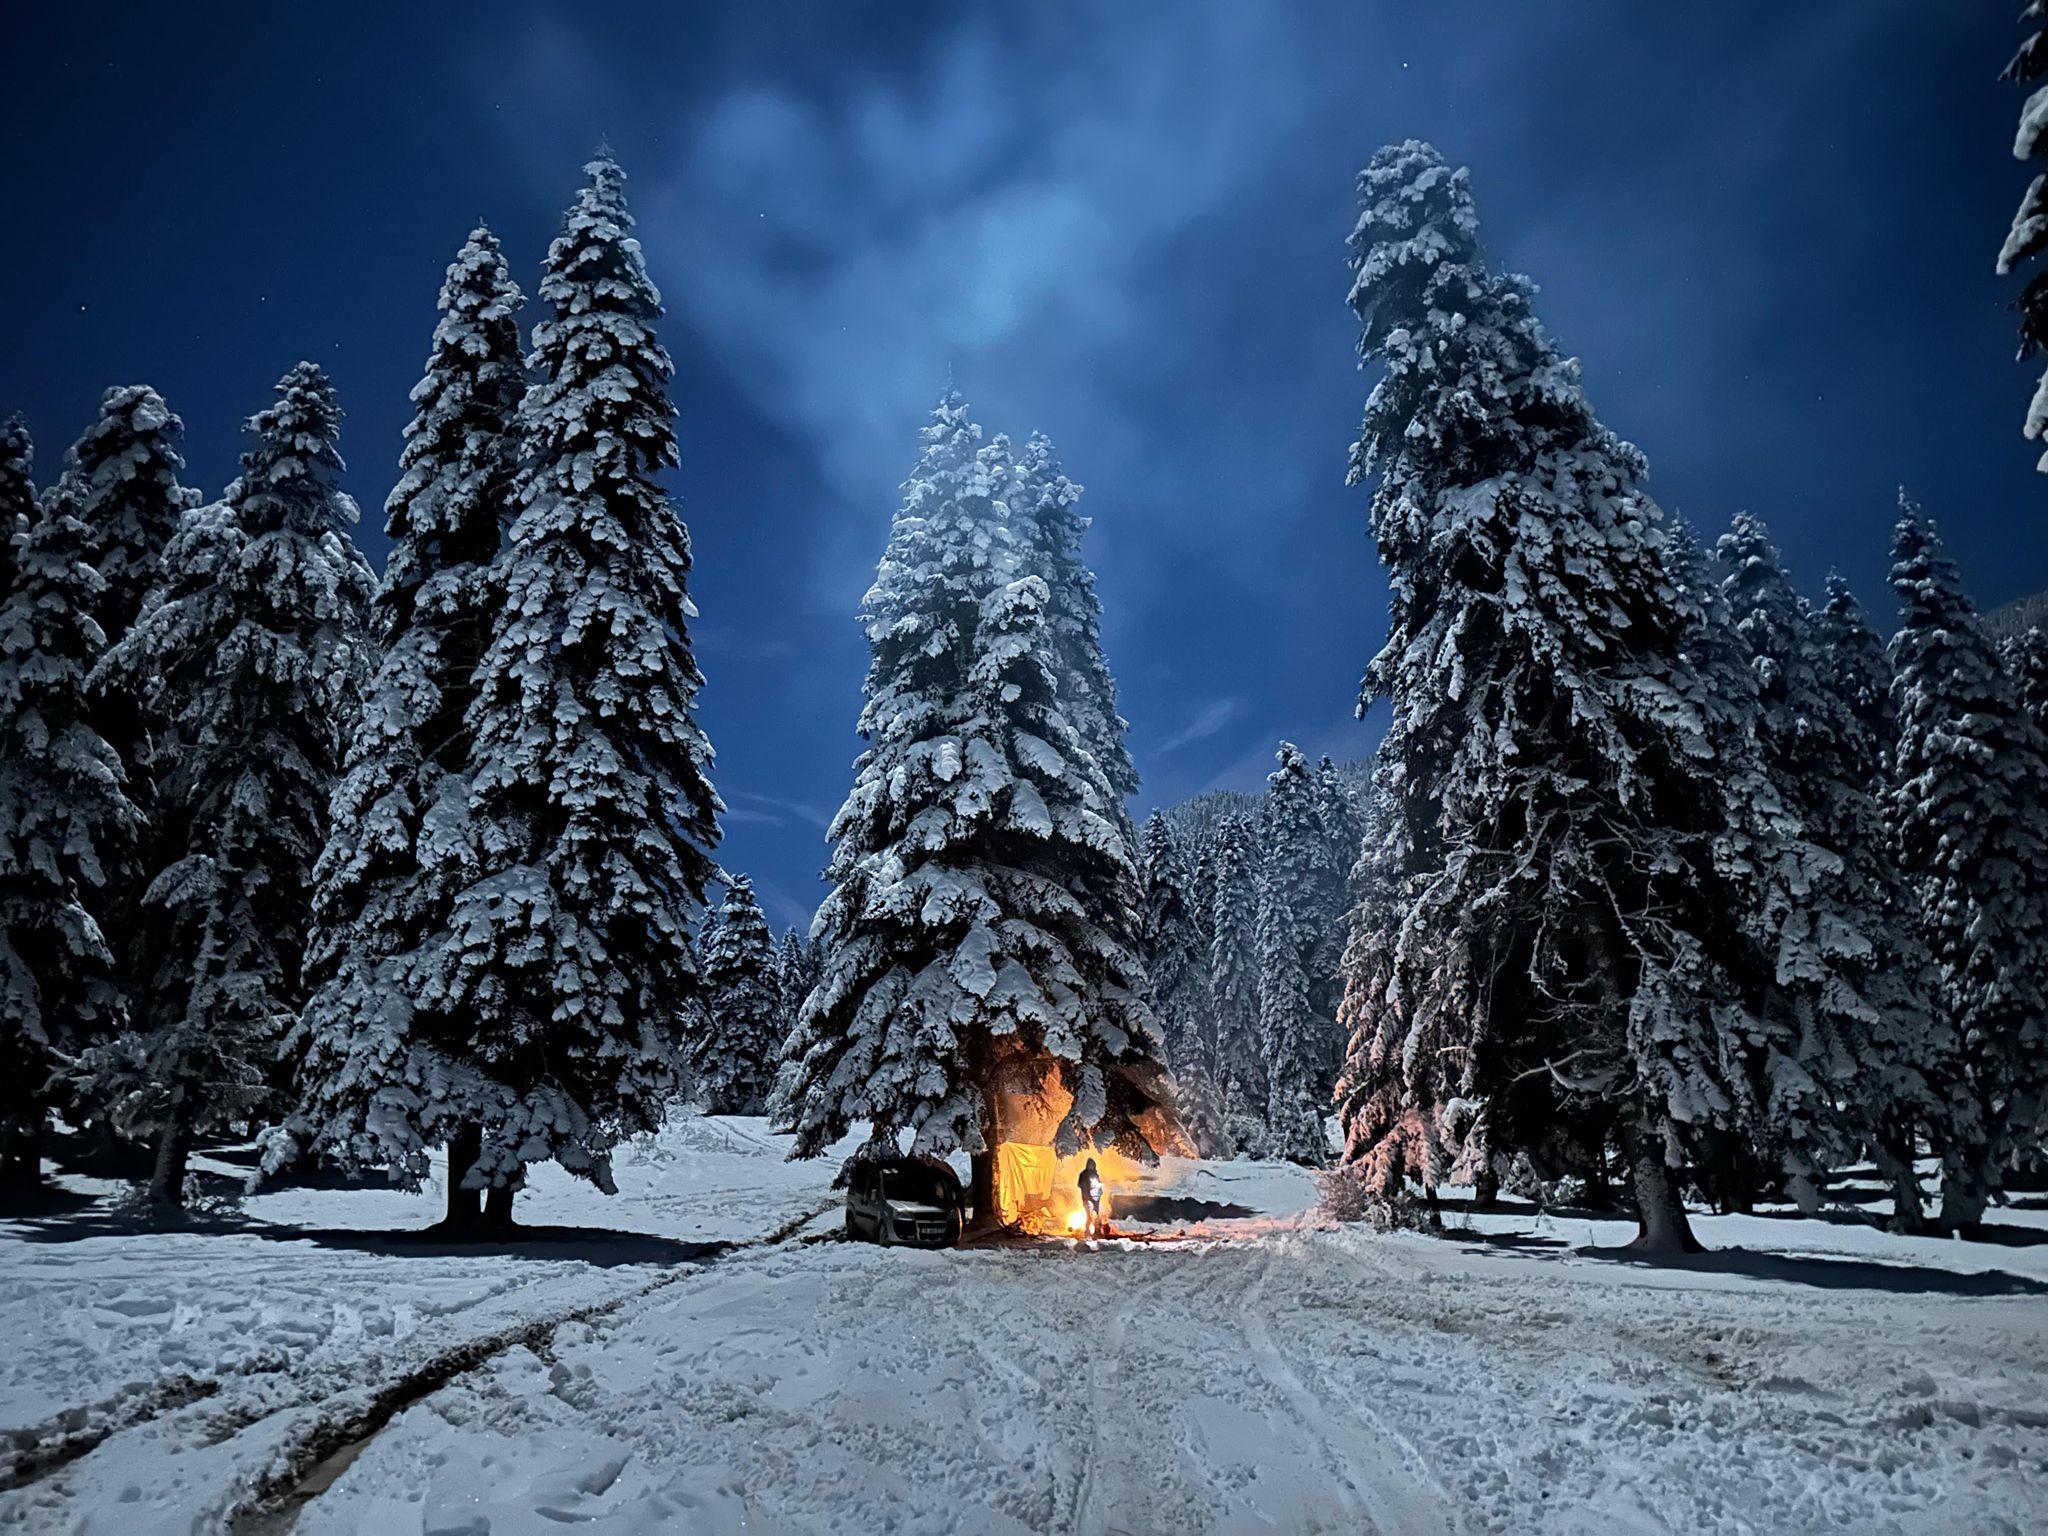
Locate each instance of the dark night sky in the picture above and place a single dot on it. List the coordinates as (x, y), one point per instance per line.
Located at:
(1768, 230)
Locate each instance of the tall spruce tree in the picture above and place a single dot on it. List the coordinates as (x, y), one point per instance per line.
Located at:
(734, 1060)
(1238, 872)
(2026, 659)
(65, 818)
(1860, 674)
(1052, 528)
(982, 930)
(2028, 236)
(1299, 930)
(1587, 830)
(122, 477)
(1177, 961)
(592, 817)
(1971, 832)
(1391, 1132)
(17, 495)
(248, 659)
(122, 480)
(1861, 1031)
(387, 1070)
(796, 972)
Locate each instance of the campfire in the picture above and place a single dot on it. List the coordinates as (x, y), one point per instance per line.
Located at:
(1037, 1190)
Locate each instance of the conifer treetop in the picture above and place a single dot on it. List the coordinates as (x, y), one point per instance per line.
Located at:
(450, 505)
(64, 808)
(17, 493)
(984, 902)
(122, 476)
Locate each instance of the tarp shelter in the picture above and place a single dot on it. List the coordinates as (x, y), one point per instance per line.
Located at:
(1024, 1178)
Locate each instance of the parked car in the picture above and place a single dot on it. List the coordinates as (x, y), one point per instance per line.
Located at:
(903, 1200)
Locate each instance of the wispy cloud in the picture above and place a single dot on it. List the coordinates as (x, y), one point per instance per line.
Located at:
(1210, 719)
(747, 806)
(992, 213)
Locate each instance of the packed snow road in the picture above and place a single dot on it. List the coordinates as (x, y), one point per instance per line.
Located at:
(1261, 1372)
(1289, 1380)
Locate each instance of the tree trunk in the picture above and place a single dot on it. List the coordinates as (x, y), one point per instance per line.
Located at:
(1963, 1198)
(981, 1177)
(1485, 1183)
(498, 1207)
(173, 1153)
(1661, 1226)
(1896, 1143)
(465, 1206)
(981, 1187)
(21, 1162)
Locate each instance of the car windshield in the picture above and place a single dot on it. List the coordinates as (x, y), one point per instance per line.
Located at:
(919, 1186)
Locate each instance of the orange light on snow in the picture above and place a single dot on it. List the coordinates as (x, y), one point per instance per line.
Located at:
(1040, 1193)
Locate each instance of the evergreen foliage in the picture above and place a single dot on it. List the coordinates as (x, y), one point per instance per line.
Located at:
(388, 1070)
(1594, 851)
(591, 813)
(1299, 933)
(64, 819)
(121, 482)
(1970, 829)
(734, 1060)
(248, 659)
(2026, 659)
(982, 932)
(1177, 957)
(1234, 957)
(1852, 987)
(1044, 501)
(796, 972)
(17, 495)
(1859, 672)
(2028, 236)
(121, 476)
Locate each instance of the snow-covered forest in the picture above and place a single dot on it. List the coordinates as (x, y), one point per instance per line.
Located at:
(1619, 1100)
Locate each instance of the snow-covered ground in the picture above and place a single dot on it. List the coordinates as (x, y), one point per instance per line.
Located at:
(1257, 1370)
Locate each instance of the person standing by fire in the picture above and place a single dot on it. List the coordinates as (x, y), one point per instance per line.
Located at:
(1091, 1200)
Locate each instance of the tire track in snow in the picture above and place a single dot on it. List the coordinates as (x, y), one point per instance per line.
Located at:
(1111, 1335)
(1404, 1502)
(272, 1507)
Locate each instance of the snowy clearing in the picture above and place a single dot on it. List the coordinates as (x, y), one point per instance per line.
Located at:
(1260, 1371)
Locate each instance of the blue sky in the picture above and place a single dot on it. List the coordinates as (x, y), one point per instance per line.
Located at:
(1768, 231)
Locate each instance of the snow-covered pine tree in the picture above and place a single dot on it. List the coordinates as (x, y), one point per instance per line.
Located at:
(1860, 672)
(1177, 963)
(248, 659)
(1341, 810)
(1971, 832)
(17, 494)
(1299, 927)
(65, 818)
(568, 957)
(796, 972)
(121, 478)
(1234, 979)
(2026, 659)
(1391, 1089)
(734, 1062)
(1853, 985)
(1052, 528)
(2028, 236)
(386, 1072)
(982, 929)
(1585, 828)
